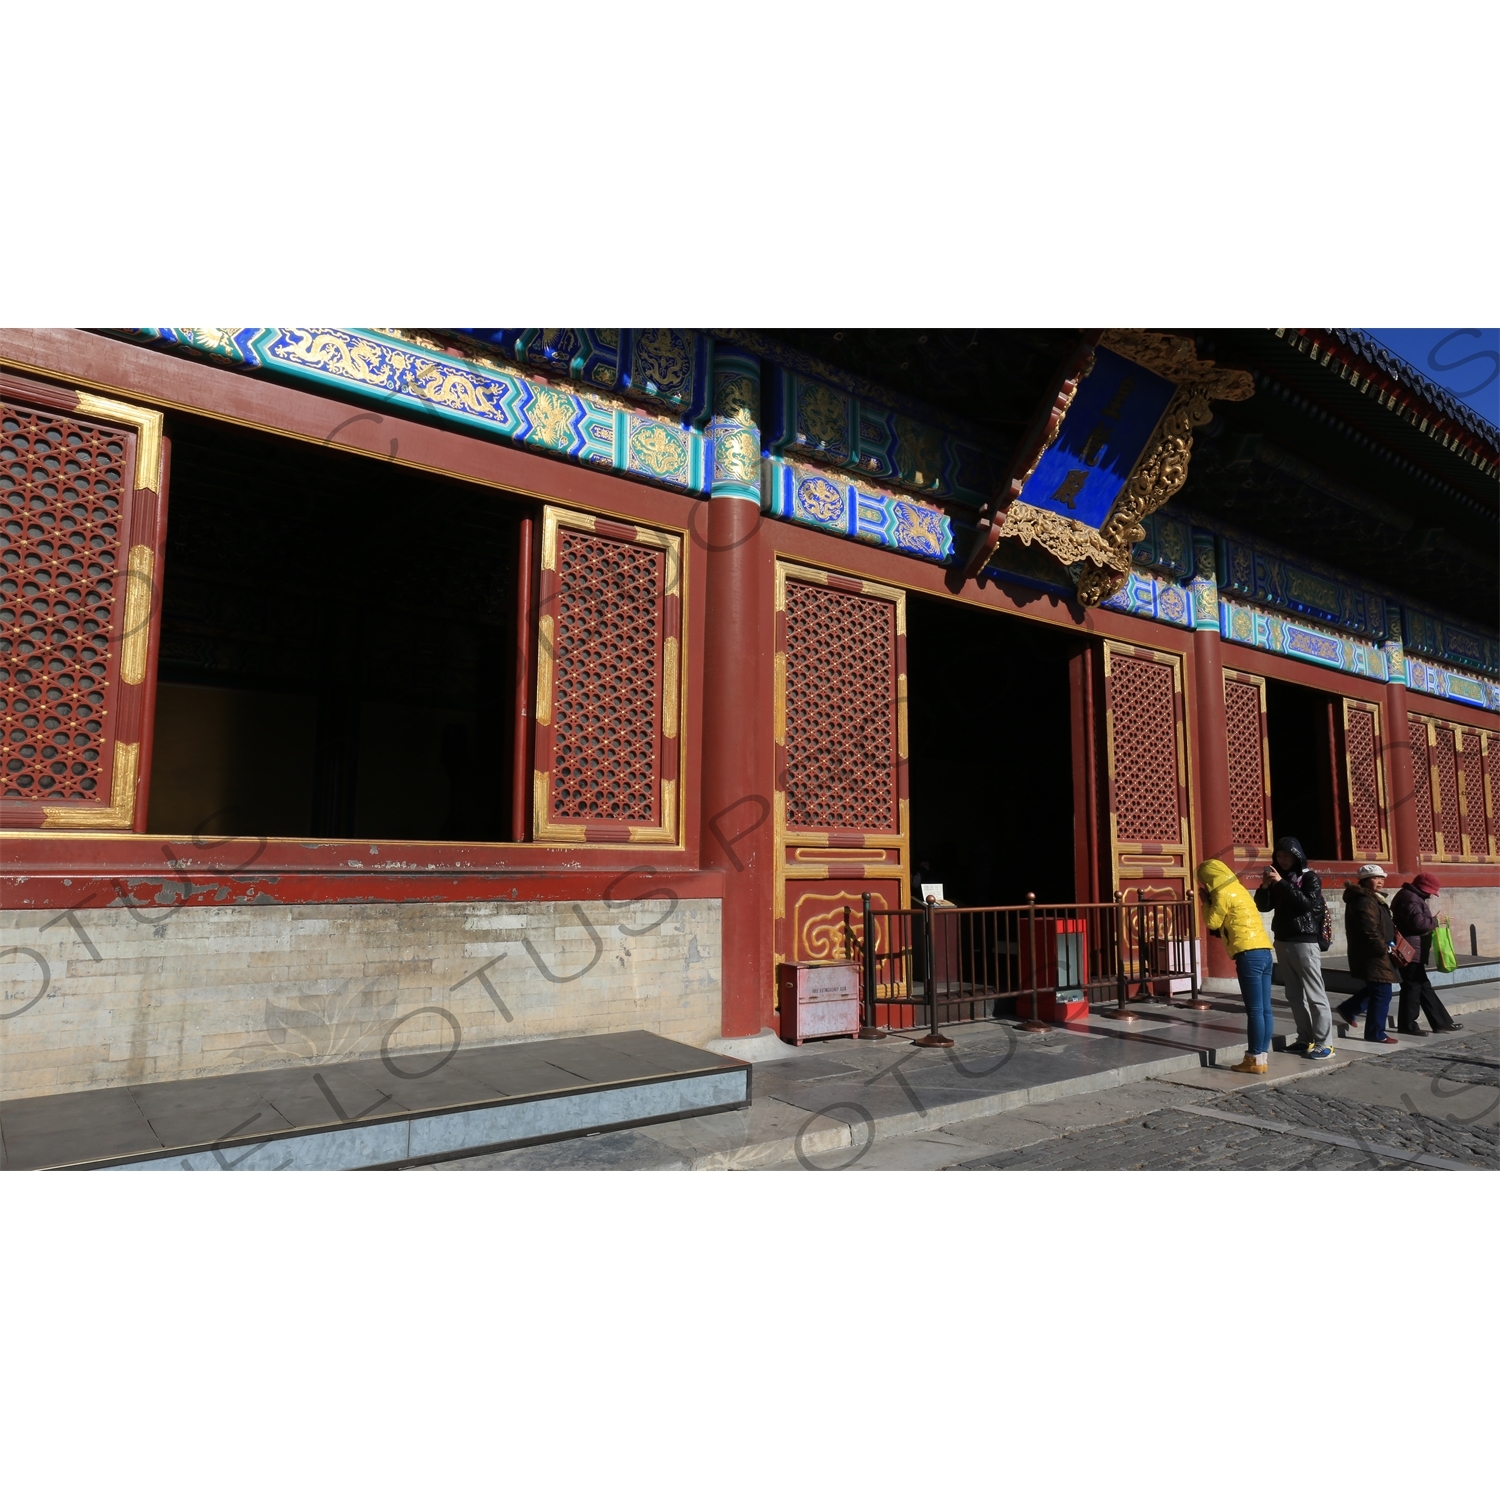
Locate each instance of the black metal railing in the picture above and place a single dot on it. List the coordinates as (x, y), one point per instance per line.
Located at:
(936, 965)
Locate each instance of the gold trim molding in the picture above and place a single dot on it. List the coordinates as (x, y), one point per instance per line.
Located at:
(670, 675)
(121, 810)
(136, 634)
(544, 650)
(148, 428)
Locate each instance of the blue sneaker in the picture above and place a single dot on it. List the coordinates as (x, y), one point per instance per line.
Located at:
(1317, 1054)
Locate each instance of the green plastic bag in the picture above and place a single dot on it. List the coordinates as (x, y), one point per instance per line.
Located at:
(1442, 948)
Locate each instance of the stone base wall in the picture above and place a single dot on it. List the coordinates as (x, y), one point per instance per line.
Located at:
(116, 995)
(1476, 905)
(1462, 905)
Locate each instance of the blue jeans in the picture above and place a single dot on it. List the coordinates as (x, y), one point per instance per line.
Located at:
(1254, 970)
(1378, 998)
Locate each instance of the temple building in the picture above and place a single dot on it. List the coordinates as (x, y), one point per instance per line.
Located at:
(409, 690)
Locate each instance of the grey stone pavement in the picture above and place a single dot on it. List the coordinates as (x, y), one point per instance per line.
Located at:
(1154, 1095)
(1435, 1106)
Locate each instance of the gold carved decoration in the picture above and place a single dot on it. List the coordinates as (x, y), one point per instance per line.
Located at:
(137, 635)
(121, 810)
(824, 934)
(1159, 473)
(825, 414)
(737, 454)
(1174, 356)
(736, 401)
(1067, 540)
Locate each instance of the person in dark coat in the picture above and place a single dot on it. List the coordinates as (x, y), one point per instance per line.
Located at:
(1294, 896)
(1371, 937)
(1416, 921)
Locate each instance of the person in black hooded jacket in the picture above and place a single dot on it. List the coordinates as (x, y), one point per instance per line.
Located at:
(1293, 894)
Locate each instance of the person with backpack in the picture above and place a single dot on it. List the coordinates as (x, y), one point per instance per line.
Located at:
(1229, 913)
(1293, 894)
(1416, 922)
(1371, 936)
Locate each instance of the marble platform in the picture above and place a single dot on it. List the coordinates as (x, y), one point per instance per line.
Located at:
(376, 1113)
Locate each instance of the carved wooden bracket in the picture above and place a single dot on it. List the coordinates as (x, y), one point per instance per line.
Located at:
(1038, 438)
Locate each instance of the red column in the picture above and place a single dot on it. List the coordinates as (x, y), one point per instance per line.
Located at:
(1401, 786)
(1215, 837)
(738, 822)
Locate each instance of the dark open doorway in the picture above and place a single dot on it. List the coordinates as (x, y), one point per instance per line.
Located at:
(1306, 781)
(990, 754)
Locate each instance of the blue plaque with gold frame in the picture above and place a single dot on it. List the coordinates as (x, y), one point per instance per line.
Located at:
(1120, 447)
(1104, 433)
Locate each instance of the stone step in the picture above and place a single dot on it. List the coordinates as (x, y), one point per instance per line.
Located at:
(383, 1112)
(1338, 980)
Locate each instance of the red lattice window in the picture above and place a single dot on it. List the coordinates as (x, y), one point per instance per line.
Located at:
(841, 749)
(75, 616)
(1421, 775)
(1143, 709)
(1361, 742)
(1471, 766)
(1444, 759)
(1247, 800)
(607, 688)
(62, 487)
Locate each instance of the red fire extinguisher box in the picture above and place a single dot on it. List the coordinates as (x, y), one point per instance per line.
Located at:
(1061, 950)
(817, 1000)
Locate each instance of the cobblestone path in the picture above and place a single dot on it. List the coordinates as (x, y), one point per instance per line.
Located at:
(1173, 1140)
(1170, 1141)
(1379, 1124)
(1472, 1060)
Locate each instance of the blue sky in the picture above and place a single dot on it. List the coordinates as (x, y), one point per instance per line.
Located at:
(1465, 361)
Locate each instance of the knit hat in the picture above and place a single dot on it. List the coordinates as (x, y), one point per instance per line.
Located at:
(1429, 885)
(1365, 871)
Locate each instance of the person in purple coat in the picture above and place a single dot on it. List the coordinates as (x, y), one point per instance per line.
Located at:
(1416, 921)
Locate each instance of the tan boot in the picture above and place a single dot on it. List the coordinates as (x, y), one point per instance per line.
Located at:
(1250, 1063)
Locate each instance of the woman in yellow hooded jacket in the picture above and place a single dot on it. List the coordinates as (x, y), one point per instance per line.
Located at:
(1229, 912)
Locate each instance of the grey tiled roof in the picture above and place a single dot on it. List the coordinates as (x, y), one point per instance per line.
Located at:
(1447, 403)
